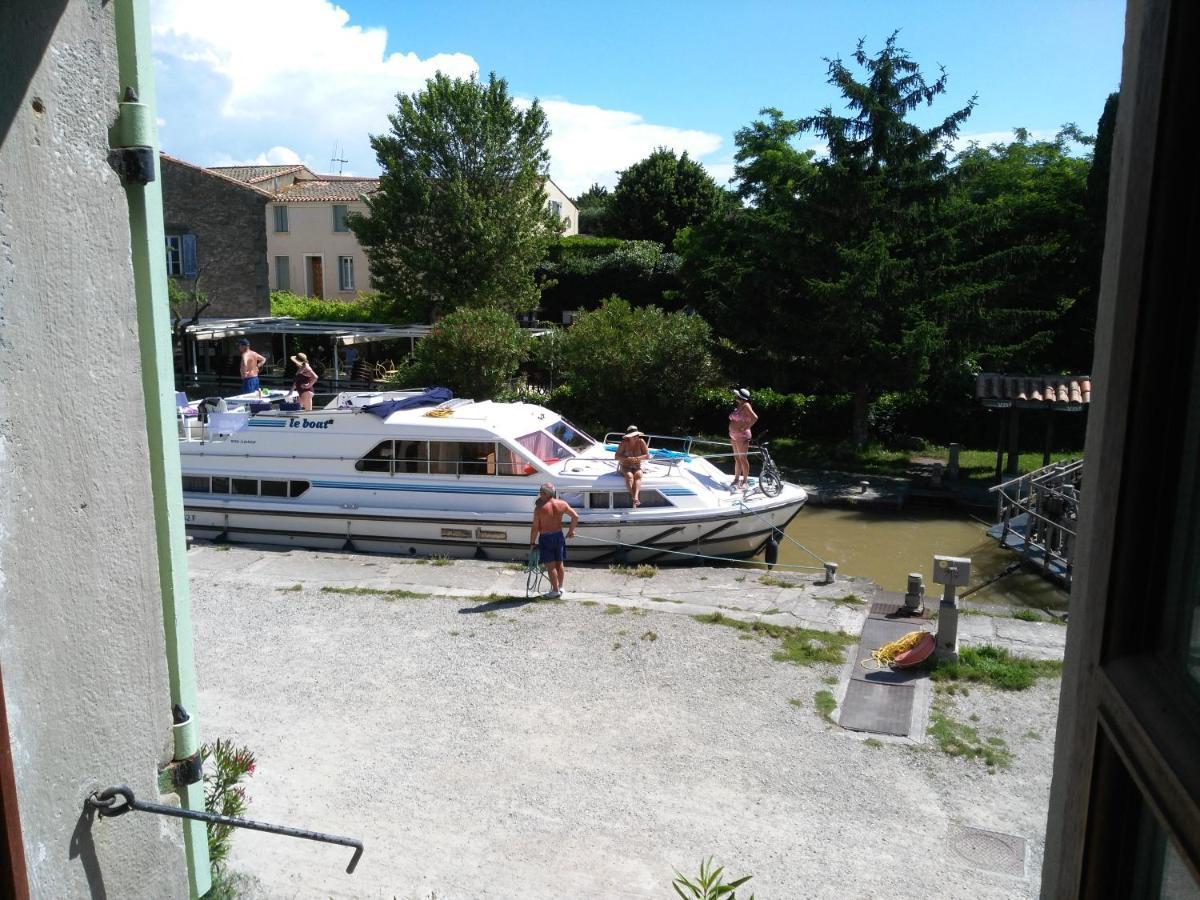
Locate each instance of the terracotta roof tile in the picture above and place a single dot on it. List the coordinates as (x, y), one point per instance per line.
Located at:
(252, 174)
(326, 188)
(1055, 389)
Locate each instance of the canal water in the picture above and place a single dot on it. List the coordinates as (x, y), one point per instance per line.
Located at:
(885, 545)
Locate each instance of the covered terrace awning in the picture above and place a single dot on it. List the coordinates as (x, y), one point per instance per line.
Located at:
(1052, 393)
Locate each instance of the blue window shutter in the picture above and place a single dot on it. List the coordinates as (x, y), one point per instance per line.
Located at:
(189, 256)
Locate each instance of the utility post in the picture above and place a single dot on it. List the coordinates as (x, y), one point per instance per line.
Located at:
(951, 571)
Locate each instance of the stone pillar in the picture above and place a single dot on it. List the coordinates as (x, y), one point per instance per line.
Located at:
(952, 465)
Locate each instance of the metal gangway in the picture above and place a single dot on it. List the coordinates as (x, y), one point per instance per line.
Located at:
(1037, 516)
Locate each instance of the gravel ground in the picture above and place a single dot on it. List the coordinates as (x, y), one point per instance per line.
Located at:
(569, 750)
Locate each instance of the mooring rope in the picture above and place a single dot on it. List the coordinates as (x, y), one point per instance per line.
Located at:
(728, 559)
(786, 536)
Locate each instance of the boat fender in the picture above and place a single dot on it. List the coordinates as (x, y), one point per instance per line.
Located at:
(771, 552)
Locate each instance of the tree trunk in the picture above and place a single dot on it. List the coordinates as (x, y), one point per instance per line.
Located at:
(862, 403)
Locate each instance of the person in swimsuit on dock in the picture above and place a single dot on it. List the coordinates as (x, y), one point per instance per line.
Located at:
(546, 534)
(630, 453)
(741, 420)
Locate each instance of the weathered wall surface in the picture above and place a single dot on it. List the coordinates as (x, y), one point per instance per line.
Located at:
(81, 630)
(231, 245)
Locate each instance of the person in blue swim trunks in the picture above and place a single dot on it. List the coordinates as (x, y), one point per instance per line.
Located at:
(547, 535)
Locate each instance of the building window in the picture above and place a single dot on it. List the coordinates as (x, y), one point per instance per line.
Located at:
(174, 255)
(281, 219)
(555, 208)
(181, 255)
(283, 274)
(345, 273)
(339, 218)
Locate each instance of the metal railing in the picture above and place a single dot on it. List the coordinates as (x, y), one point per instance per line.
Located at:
(1049, 501)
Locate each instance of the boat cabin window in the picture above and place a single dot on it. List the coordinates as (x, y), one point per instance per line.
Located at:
(622, 499)
(574, 499)
(202, 484)
(444, 458)
(599, 501)
(544, 447)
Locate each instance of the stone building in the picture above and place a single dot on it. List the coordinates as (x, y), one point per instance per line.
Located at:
(215, 238)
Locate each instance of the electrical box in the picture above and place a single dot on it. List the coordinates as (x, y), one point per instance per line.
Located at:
(954, 570)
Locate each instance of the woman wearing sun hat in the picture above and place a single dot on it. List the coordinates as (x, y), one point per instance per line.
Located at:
(630, 453)
(305, 380)
(741, 420)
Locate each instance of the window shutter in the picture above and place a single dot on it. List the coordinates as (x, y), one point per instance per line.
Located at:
(189, 256)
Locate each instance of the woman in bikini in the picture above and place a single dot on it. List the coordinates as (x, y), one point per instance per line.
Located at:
(630, 453)
(741, 420)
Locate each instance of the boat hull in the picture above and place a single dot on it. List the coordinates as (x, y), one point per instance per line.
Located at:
(729, 534)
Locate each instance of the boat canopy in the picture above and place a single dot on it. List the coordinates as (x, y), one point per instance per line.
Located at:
(434, 396)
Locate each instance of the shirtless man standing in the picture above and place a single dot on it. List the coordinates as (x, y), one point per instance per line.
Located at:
(546, 534)
(251, 362)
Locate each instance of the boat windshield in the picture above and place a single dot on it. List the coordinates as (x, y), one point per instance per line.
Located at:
(561, 440)
(568, 434)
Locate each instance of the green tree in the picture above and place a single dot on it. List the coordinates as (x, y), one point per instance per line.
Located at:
(658, 196)
(460, 218)
(581, 271)
(474, 351)
(593, 208)
(637, 365)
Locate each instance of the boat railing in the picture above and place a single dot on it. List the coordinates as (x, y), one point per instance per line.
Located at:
(1049, 499)
(688, 443)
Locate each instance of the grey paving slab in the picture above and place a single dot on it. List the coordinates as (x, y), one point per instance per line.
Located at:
(877, 708)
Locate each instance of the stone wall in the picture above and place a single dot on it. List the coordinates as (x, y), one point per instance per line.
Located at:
(81, 624)
(228, 221)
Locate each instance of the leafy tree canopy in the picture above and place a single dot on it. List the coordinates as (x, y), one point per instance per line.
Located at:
(637, 365)
(460, 218)
(473, 350)
(658, 196)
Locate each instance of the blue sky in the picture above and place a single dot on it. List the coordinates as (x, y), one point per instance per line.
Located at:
(286, 80)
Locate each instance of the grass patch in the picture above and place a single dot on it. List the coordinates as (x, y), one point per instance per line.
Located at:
(611, 609)
(772, 581)
(797, 702)
(442, 561)
(633, 571)
(802, 646)
(956, 738)
(772, 611)
(849, 600)
(385, 593)
(1032, 735)
(616, 645)
(830, 679)
(745, 637)
(650, 636)
(500, 598)
(825, 704)
(222, 547)
(588, 603)
(455, 633)
(290, 590)
(1028, 615)
(873, 743)
(996, 667)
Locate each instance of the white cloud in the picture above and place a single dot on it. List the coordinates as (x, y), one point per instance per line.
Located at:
(278, 81)
(592, 144)
(276, 156)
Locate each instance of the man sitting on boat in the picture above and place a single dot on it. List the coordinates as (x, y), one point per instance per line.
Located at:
(546, 534)
(630, 453)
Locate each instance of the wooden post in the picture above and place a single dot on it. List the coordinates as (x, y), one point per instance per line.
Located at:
(1000, 447)
(1049, 437)
(1014, 449)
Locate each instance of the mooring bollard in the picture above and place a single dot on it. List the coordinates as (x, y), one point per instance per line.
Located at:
(951, 571)
(830, 572)
(862, 486)
(952, 465)
(914, 597)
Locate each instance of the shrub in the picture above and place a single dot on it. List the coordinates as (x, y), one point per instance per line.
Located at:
(637, 365)
(369, 307)
(473, 350)
(224, 768)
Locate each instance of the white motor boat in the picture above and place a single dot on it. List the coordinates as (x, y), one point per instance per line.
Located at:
(420, 473)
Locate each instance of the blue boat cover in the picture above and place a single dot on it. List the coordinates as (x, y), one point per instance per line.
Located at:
(432, 397)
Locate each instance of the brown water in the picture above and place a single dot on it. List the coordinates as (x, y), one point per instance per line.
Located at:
(886, 545)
